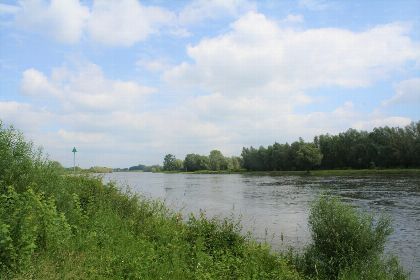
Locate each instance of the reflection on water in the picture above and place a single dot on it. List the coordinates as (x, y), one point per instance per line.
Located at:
(276, 208)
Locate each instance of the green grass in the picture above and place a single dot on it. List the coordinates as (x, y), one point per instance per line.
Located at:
(75, 227)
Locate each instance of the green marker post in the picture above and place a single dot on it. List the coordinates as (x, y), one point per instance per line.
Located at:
(74, 159)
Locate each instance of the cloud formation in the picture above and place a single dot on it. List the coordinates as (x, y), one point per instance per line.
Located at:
(253, 82)
(116, 22)
(200, 10)
(86, 89)
(258, 53)
(64, 20)
(125, 22)
(407, 91)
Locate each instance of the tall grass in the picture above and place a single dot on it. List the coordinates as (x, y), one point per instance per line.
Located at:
(75, 227)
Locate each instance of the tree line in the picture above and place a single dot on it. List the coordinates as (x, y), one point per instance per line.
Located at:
(383, 147)
(140, 167)
(215, 161)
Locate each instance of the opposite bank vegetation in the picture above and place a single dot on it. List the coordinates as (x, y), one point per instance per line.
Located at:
(383, 147)
(75, 227)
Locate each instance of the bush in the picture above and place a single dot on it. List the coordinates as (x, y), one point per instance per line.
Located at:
(346, 242)
(28, 222)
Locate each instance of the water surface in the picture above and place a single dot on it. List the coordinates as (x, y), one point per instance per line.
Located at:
(275, 209)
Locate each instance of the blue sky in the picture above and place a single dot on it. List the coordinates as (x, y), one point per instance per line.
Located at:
(128, 81)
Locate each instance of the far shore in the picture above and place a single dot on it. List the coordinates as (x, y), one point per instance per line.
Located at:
(335, 172)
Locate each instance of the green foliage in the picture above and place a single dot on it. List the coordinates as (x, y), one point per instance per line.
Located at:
(214, 162)
(195, 162)
(171, 163)
(100, 169)
(384, 147)
(137, 167)
(18, 159)
(217, 161)
(140, 167)
(375, 269)
(233, 163)
(297, 156)
(29, 222)
(347, 244)
(55, 226)
(308, 156)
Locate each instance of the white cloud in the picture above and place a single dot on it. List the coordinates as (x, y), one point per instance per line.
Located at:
(125, 22)
(64, 20)
(382, 121)
(251, 82)
(245, 121)
(121, 137)
(81, 137)
(36, 83)
(407, 91)
(84, 89)
(117, 22)
(257, 53)
(200, 10)
(24, 116)
(110, 22)
(153, 65)
(256, 76)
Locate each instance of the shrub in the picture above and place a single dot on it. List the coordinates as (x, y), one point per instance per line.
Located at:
(28, 222)
(344, 240)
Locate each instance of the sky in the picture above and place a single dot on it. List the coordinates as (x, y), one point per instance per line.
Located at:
(127, 81)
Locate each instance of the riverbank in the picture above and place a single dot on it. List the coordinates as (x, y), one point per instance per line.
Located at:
(76, 227)
(339, 172)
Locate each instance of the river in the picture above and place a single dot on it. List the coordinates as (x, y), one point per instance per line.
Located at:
(276, 209)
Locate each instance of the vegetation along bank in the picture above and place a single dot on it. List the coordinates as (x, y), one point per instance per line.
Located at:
(75, 227)
(383, 148)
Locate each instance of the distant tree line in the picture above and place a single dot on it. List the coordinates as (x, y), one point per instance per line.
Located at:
(384, 147)
(145, 168)
(140, 167)
(215, 161)
(297, 156)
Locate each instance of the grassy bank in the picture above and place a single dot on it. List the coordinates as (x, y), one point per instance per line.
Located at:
(335, 172)
(78, 170)
(76, 227)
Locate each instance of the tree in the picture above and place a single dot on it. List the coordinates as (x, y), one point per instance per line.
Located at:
(170, 163)
(194, 162)
(190, 162)
(252, 159)
(233, 163)
(308, 156)
(179, 164)
(217, 161)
